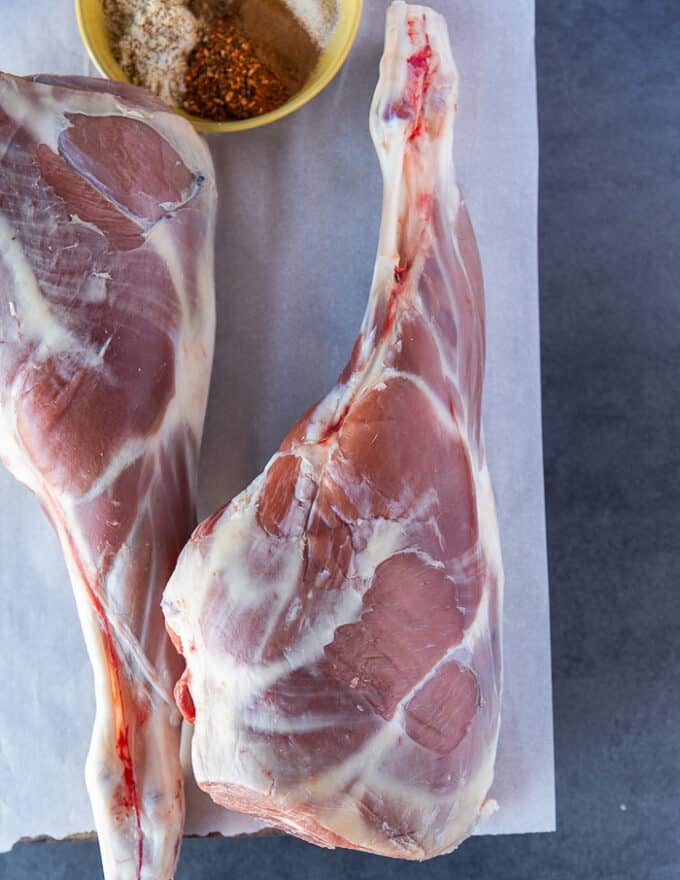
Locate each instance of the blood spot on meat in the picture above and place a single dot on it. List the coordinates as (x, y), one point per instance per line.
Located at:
(184, 699)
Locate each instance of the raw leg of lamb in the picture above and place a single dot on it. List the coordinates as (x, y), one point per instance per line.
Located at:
(107, 205)
(341, 617)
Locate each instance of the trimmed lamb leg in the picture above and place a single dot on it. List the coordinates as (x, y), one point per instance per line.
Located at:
(107, 203)
(341, 617)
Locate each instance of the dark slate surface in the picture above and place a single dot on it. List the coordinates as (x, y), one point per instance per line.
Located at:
(609, 100)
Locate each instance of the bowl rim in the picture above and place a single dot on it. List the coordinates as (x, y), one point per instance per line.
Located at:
(207, 126)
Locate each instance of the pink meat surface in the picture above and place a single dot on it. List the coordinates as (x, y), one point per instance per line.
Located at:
(341, 617)
(106, 335)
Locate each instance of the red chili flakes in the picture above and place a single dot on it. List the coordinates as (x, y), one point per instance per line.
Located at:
(226, 80)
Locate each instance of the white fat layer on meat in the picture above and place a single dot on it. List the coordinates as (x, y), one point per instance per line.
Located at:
(38, 115)
(94, 290)
(35, 319)
(227, 691)
(385, 538)
(41, 110)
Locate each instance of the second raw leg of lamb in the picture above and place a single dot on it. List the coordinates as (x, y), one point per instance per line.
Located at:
(107, 202)
(340, 619)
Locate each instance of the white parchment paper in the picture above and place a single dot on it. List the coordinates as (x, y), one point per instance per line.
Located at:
(296, 238)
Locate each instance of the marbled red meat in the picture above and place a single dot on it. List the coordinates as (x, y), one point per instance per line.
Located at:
(106, 328)
(340, 618)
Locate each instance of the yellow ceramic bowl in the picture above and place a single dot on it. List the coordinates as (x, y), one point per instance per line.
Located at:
(90, 14)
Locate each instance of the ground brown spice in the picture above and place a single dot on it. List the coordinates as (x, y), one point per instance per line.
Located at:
(225, 79)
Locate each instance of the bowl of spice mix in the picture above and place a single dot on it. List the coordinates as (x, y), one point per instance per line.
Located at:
(228, 65)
